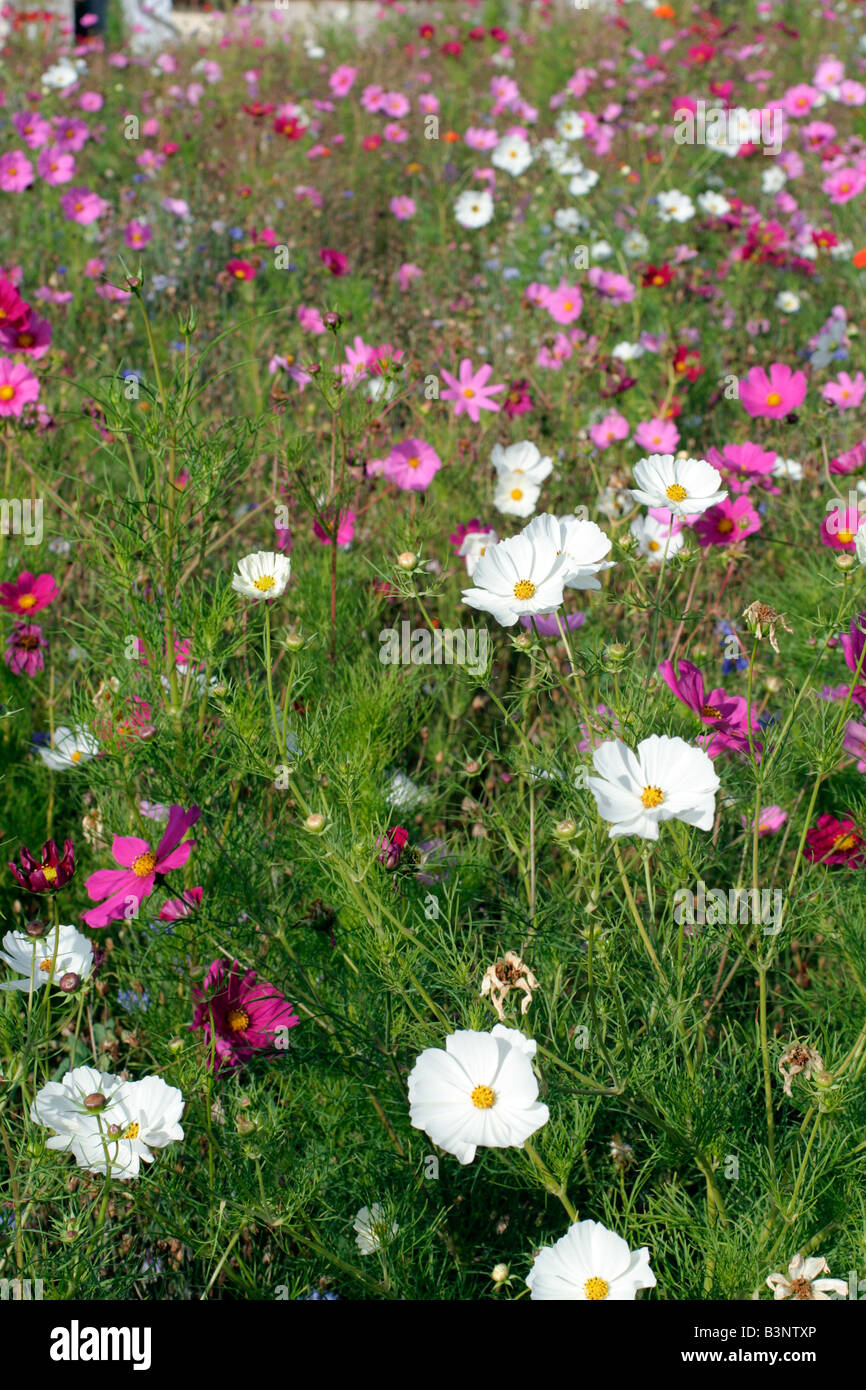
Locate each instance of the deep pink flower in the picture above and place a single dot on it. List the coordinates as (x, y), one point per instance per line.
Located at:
(13, 309)
(854, 742)
(32, 336)
(726, 714)
(519, 399)
(239, 1015)
(832, 841)
(852, 643)
(744, 465)
(55, 166)
(850, 460)
(241, 270)
(772, 819)
(45, 875)
(16, 172)
(611, 286)
(564, 304)
(28, 593)
(335, 261)
(176, 908)
(775, 395)
(24, 649)
(727, 522)
(391, 846)
(137, 234)
(412, 465)
(124, 889)
(839, 527)
(605, 432)
(345, 529)
(82, 206)
(469, 390)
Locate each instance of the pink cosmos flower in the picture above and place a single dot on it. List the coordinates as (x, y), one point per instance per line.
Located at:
(124, 889)
(564, 304)
(55, 166)
(412, 465)
(241, 270)
(13, 309)
(605, 432)
(844, 184)
(32, 337)
(174, 909)
(773, 395)
(469, 390)
(33, 129)
(29, 593)
(395, 105)
(727, 522)
(70, 135)
(772, 819)
(82, 206)
(24, 649)
(18, 387)
(372, 97)
(345, 529)
(342, 79)
(852, 643)
(744, 465)
(609, 285)
(799, 100)
(90, 101)
(395, 133)
(239, 1015)
(406, 274)
(335, 261)
(657, 436)
(725, 713)
(137, 234)
(854, 743)
(839, 528)
(403, 207)
(845, 392)
(310, 319)
(850, 460)
(16, 172)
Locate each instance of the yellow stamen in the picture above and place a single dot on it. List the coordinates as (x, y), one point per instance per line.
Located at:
(524, 589)
(483, 1098)
(676, 492)
(144, 864)
(596, 1289)
(238, 1020)
(652, 796)
(266, 582)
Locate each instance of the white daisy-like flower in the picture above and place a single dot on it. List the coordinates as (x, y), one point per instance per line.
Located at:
(264, 574)
(582, 183)
(45, 960)
(69, 748)
(788, 302)
(569, 220)
(572, 164)
(60, 75)
(654, 539)
(802, 1281)
(773, 179)
(685, 486)
(515, 495)
(570, 126)
(474, 208)
(663, 779)
(675, 206)
(524, 458)
(584, 546)
(512, 153)
(788, 468)
(373, 1229)
(860, 542)
(474, 545)
(627, 352)
(601, 251)
(403, 794)
(479, 1092)
(589, 1263)
(713, 204)
(109, 1125)
(524, 574)
(635, 245)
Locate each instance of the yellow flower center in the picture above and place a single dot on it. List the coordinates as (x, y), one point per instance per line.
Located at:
(75, 757)
(844, 842)
(414, 461)
(483, 1097)
(596, 1288)
(131, 1131)
(515, 494)
(774, 398)
(144, 864)
(26, 340)
(676, 492)
(49, 873)
(469, 393)
(6, 393)
(26, 600)
(47, 965)
(725, 525)
(652, 796)
(238, 1020)
(710, 712)
(266, 582)
(524, 589)
(653, 545)
(846, 537)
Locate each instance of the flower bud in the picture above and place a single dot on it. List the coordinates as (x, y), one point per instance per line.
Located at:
(95, 1101)
(333, 321)
(114, 1131)
(565, 830)
(844, 561)
(35, 929)
(407, 560)
(523, 641)
(315, 823)
(69, 982)
(294, 641)
(499, 1273)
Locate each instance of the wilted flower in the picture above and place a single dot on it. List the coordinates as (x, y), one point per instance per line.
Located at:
(762, 618)
(373, 1229)
(802, 1281)
(799, 1059)
(505, 975)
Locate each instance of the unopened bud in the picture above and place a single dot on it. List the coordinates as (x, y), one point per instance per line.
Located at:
(523, 641)
(294, 641)
(499, 1274)
(315, 822)
(565, 830)
(35, 929)
(844, 561)
(95, 1101)
(69, 982)
(407, 560)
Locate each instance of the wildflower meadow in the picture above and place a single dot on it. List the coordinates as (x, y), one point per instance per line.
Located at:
(433, 695)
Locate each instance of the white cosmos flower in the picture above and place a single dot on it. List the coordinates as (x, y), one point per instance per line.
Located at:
(119, 1126)
(262, 575)
(373, 1229)
(524, 458)
(46, 959)
(512, 153)
(587, 1264)
(788, 468)
(582, 183)
(635, 245)
(584, 546)
(601, 251)
(860, 542)
(524, 574)
(572, 164)
(61, 74)
(713, 204)
(515, 495)
(787, 302)
(69, 748)
(480, 1092)
(802, 1281)
(627, 352)
(474, 545)
(674, 206)
(569, 220)
(664, 779)
(570, 126)
(684, 486)
(654, 540)
(773, 179)
(474, 208)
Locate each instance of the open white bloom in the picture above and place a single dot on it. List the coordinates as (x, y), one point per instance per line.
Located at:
(480, 1092)
(654, 539)
(373, 1229)
(60, 75)
(474, 208)
(713, 204)
(627, 352)
(582, 183)
(515, 495)
(635, 245)
(474, 545)
(788, 302)
(587, 1264)
(106, 1123)
(569, 220)
(802, 1281)
(788, 468)
(523, 458)
(44, 960)
(664, 779)
(674, 206)
(773, 179)
(512, 153)
(684, 486)
(570, 126)
(69, 748)
(860, 542)
(584, 545)
(524, 574)
(262, 575)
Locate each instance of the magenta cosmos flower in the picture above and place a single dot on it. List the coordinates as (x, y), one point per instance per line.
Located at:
(24, 649)
(846, 392)
(18, 387)
(772, 395)
(28, 593)
(744, 465)
(239, 1014)
(32, 336)
(16, 172)
(335, 261)
(469, 390)
(727, 522)
(124, 888)
(412, 465)
(45, 875)
(725, 713)
(834, 842)
(839, 527)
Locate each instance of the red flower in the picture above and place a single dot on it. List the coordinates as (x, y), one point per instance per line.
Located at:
(657, 275)
(241, 270)
(391, 846)
(687, 363)
(834, 841)
(53, 871)
(335, 261)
